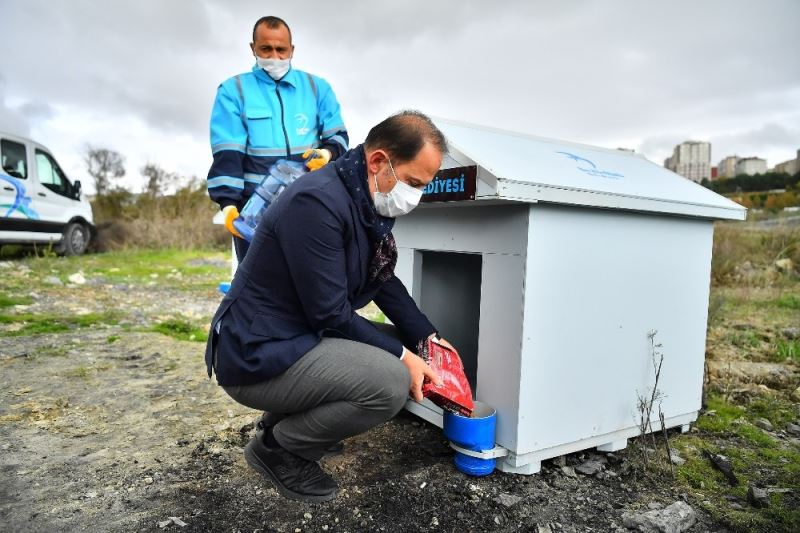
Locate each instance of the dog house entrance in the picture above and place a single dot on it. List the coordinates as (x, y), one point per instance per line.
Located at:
(450, 295)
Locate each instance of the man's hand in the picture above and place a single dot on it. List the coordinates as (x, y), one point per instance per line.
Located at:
(316, 158)
(231, 214)
(418, 370)
(444, 343)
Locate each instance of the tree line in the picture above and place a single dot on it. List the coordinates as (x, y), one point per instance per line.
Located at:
(754, 183)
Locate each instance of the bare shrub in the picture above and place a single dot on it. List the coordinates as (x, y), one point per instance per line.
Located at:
(646, 402)
(737, 244)
(181, 220)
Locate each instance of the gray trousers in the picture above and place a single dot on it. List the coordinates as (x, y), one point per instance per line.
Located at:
(339, 389)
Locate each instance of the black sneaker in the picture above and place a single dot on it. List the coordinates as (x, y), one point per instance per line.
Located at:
(337, 448)
(294, 477)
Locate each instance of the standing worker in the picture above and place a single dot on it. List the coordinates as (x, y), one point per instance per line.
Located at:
(273, 112)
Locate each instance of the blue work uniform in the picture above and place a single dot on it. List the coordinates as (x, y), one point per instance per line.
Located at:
(257, 120)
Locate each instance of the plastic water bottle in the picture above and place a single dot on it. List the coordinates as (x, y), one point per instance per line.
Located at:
(277, 178)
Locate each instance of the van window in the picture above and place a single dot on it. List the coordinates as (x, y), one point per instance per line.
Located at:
(12, 155)
(51, 176)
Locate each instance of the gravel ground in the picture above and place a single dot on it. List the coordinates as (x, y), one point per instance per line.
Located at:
(111, 428)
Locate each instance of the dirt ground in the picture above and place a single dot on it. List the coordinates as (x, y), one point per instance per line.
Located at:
(110, 427)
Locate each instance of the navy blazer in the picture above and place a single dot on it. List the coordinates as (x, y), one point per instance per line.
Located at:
(303, 278)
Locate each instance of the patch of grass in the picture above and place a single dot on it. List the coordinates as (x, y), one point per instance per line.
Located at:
(78, 372)
(788, 301)
(787, 349)
(33, 324)
(11, 251)
(711, 490)
(697, 472)
(153, 264)
(181, 330)
(716, 307)
(756, 457)
(733, 419)
(58, 350)
(746, 303)
(183, 269)
(722, 418)
(9, 301)
(755, 436)
(84, 371)
(112, 339)
(744, 339)
(373, 313)
(778, 411)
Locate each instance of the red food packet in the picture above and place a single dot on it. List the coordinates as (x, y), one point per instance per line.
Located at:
(455, 393)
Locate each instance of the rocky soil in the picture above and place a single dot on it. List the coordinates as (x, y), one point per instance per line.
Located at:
(111, 427)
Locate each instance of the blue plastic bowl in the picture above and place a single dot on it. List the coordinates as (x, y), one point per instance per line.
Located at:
(473, 433)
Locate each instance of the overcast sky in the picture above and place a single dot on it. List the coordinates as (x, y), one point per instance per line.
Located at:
(140, 76)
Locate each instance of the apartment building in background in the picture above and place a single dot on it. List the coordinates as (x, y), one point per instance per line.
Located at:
(727, 167)
(790, 167)
(751, 166)
(692, 160)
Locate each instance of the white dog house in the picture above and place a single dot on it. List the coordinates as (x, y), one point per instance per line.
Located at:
(547, 264)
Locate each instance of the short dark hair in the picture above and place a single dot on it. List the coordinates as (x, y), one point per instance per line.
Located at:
(272, 23)
(404, 134)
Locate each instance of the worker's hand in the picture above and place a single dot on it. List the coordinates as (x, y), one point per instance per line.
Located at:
(418, 370)
(316, 158)
(231, 214)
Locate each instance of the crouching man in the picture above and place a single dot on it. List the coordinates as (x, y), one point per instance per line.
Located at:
(286, 338)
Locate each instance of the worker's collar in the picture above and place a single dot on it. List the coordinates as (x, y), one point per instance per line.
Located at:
(290, 78)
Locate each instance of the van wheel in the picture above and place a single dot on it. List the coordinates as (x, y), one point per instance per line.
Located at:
(74, 240)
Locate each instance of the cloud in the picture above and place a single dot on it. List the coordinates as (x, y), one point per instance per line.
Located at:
(12, 118)
(611, 73)
(771, 141)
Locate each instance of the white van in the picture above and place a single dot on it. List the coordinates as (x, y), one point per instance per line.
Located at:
(38, 204)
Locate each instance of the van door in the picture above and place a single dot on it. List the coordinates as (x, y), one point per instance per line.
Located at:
(55, 194)
(19, 216)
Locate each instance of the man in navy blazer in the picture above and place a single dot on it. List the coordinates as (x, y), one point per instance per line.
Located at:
(286, 338)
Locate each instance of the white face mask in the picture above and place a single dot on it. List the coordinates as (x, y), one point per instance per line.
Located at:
(276, 68)
(399, 201)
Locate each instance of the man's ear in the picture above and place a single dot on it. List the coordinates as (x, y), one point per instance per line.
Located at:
(375, 159)
(253, 48)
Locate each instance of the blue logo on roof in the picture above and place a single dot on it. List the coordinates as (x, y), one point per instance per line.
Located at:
(594, 171)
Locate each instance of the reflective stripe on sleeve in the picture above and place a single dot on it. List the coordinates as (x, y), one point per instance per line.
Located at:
(249, 177)
(226, 181)
(313, 84)
(265, 151)
(241, 97)
(272, 152)
(330, 131)
(227, 146)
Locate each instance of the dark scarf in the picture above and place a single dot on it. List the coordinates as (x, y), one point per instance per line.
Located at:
(352, 170)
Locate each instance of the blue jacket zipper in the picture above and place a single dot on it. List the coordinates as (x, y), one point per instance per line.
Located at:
(283, 122)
